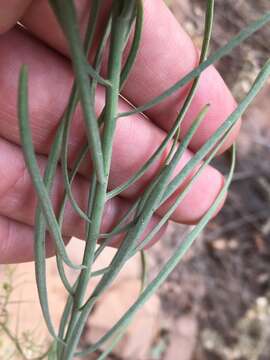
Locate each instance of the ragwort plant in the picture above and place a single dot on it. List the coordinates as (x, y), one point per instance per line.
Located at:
(125, 22)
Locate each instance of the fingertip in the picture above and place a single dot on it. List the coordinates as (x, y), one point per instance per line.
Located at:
(17, 242)
(231, 138)
(199, 199)
(158, 235)
(220, 206)
(212, 90)
(118, 239)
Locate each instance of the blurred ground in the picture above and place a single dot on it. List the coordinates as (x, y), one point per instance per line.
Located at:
(216, 304)
(224, 283)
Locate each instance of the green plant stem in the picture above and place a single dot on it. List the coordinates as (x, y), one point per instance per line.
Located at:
(140, 224)
(226, 127)
(66, 14)
(135, 44)
(83, 152)
(40, 225)
(219, 133)
(97, 64)
(75, 334)
(119, 29)
(64, 156)
(172, 160)
(173, 261)
(220, 53)
(149, 204)
(204, 51)
(33, 168)
(40, 233)
(178, 200)
(95, 8)
(100, 136)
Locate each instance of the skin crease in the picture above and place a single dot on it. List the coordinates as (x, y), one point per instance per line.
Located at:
(159, 64)
(11, 11)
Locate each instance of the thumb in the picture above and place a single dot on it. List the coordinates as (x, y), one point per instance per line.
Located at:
(10, 12)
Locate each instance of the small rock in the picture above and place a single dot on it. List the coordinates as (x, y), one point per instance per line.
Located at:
(219, 244)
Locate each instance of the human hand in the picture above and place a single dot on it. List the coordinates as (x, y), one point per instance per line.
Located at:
(166, 54)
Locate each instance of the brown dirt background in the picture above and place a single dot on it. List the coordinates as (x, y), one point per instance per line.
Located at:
(225, 283)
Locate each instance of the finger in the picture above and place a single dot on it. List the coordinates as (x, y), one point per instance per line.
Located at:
(166, 54)
(194, 205)
(10, 12)
(50, 80)
(16, 242)
(18, 201)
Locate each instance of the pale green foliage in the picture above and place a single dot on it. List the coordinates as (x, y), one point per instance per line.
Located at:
(99, 144)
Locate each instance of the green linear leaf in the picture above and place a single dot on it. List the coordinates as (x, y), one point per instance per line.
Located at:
(180, 197)
(219, 133)
(135, 44)
(40, 234)
(169, 266)
(234, 42)
(33, 169)
(64, 154)
(65, 12)
(204, 51)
